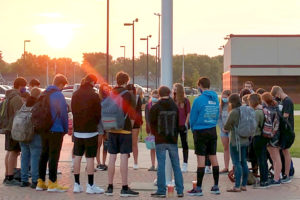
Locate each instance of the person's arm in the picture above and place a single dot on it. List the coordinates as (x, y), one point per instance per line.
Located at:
(153, 120)
(194, 113)
(188, 109)
(287, 109)
(230, 122)
(63, 107)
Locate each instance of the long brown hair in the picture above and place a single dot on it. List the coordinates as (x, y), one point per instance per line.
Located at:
(225, 92)
(180, 94)
(268, 99)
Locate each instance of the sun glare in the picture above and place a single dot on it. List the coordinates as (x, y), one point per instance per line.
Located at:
(57, 35)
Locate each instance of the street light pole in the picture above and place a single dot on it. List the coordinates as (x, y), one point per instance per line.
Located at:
(124, 52)
(147, 39)
(25, 52)
(158, 46)
(132, 24)
(107, 43)
(156, 80)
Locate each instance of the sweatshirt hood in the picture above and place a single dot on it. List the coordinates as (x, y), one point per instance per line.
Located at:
(212, 95)
(52, 88)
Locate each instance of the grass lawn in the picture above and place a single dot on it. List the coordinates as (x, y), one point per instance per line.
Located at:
(297, 107)
(295, 150)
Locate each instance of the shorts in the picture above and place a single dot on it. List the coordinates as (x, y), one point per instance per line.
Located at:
(10, 144)
(286, 141)
(119, 143)
(205, 141)
(88, 146)
(224, 134)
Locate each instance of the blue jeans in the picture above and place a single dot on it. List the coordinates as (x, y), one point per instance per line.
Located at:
(31, 156)
(161, 159)
(240, 166)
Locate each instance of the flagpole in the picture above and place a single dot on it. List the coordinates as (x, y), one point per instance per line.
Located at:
(183, 68)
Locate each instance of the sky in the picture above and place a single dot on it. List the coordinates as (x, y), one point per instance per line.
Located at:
(68, 28)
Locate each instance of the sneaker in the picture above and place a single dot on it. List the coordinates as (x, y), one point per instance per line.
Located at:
(77, 188)
(93, 189)
(215, 190)
(274, 183)
(286, 179)
(184, 167)
(157, 195)
(41, 185)
(207, 170)
(180, 195)
(12, 182)
(195, 192)
(135, 167)
(25, 184)
(152, 169)
(109, 191)
(4, 180)
(261, 185)
(54, 187)
(129, 193)
(105, 167)
(33, 185)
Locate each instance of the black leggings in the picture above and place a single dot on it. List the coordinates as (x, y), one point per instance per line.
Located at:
(51, 146)
(185, 147)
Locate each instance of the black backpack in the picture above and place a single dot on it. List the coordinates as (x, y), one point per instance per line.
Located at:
(41, 113)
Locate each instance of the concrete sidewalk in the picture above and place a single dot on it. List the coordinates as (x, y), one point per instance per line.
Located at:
(143, 178)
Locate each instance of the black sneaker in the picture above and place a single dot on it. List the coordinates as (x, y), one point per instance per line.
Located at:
(12, 182)
(109, 191)
(99, 167)
(215, 190)
(33, 185)
(262, 185)
(180, 195)
(157, 195)
(25, 184)
(4, 180)
(129, 193)
(104, 167)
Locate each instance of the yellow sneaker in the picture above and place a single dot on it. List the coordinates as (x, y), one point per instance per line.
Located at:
(41, 185)
(54, 187)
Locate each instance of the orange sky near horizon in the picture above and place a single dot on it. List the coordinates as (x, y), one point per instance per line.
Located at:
(68, 28)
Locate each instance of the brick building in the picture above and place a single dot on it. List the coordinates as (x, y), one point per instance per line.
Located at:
(266, 60)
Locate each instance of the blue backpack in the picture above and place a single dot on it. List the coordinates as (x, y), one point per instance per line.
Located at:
(112, 114)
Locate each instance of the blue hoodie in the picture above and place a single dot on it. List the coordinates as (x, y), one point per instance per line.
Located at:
(205, 111)
(59, 110)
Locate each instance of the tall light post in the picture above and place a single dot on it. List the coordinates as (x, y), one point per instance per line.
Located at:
(107, 43)
(158, 45)
(132, 24)
(25, 41)
(124, 52)
(147, 39)
(156, 70)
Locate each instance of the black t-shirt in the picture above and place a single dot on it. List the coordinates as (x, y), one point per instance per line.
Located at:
(288, 107)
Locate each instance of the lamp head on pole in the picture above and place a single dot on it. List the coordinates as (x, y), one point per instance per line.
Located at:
(122, 46)
(136, 20)
(128, 24)
(157, 14)
(144, 38)
(154, 48)
(27, 41)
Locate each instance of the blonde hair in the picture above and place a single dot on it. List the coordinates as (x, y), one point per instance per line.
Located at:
(275, 90)
(140, 92)
(35, 92)
(180, 94)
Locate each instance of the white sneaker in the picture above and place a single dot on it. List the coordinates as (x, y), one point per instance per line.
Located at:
(93, 189)
(135, 167)
(207, 170)
(184, 167)
(77, 188)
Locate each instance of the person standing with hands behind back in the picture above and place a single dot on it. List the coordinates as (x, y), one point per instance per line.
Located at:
(203, 120)
(184, 108)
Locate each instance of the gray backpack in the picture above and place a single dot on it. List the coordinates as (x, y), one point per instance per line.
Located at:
(22, 129)
(247, 122)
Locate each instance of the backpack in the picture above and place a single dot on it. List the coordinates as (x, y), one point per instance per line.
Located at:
(22, 128)
(247, 122)
(112, 114)
(271, 124)
(4, 118)
(41, 113)
(287, 134)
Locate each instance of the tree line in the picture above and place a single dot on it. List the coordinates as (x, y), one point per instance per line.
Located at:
(36, 66)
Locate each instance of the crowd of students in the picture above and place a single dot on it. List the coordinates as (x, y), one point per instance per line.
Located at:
(260, 122)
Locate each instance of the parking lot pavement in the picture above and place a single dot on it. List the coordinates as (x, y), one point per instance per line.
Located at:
(285, 192)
